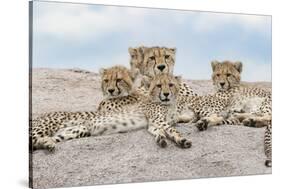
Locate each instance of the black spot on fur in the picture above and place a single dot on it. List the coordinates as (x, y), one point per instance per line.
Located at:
(61, 137)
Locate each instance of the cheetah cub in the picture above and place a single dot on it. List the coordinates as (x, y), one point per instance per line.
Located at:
(232, 103)
(117, 83)
(161, 110)
(250, 105)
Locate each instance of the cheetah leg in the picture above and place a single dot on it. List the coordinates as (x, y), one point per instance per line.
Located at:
(207, 121)
(159, 135)
(268, 145)
(185, 118)
(69, 133)
(175, 136)
(216, 120)
(44, 143)
(242, 116)
(257, 121)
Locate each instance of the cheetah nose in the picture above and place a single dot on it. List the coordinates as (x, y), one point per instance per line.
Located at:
(166, 94)
(222, 83)
(161, 67)
(110, 91)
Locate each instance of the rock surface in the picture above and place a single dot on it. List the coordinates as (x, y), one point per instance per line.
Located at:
(134, 156)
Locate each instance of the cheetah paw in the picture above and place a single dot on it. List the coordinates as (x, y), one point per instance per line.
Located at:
(50, 145)
(184, 143)
(161, 141)
(268, 163)
(249, 122)
(202, 125)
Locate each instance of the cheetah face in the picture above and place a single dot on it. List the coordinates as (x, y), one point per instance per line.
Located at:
(117, 81)
(226, 74)
(164, 89)
(152, 61)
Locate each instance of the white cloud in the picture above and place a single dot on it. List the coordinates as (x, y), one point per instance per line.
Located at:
(80, 22)
(254, 70)
(208, 22)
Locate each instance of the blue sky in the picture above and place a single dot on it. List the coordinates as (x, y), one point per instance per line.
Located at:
(95, 36)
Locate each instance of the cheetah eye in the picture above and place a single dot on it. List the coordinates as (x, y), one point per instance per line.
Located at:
(152, 58)
(133, 56)
(159, 85)
(171, 84)
(118, 80)
(167, 56)
(228, 74)
(105, 80)
(218, 75)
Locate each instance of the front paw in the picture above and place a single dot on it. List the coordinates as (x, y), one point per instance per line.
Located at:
(161, 141)
(202, 125)
(268, 163)
(184, 143)
(50, 145)
(249, 122)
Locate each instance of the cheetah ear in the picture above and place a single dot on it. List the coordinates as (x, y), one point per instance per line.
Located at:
(102, 71)
(132, 50)
(214, 63)
(142, 49)
(174, 50)
(238, 65)
(178, 78)
(146, 82)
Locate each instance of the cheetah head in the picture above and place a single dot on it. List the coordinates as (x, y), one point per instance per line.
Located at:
(117, 81)
(151, 61)
(226, 74)
(164, 88)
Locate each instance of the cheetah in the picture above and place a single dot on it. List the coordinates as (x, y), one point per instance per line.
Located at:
(250, 105)
(156, 115)
(117, 83)
(161, 110)
(232, 103)
(150, 61)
